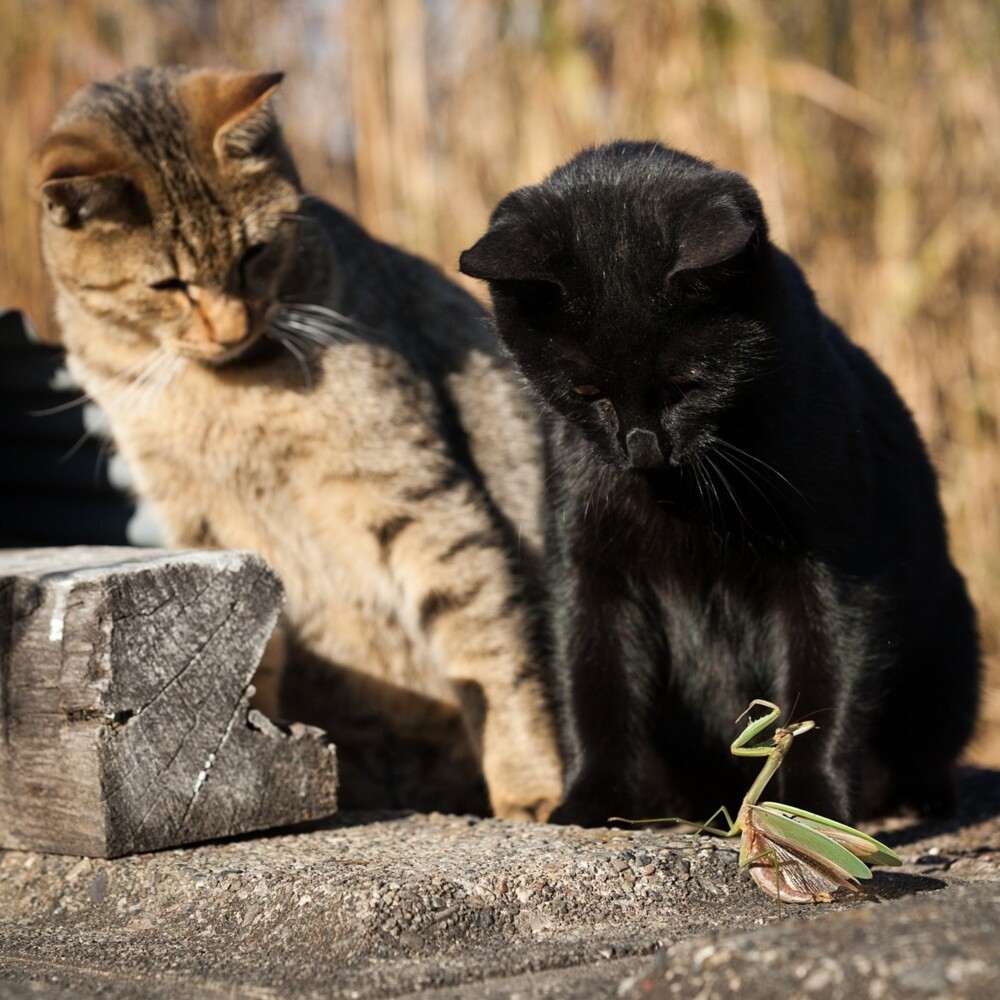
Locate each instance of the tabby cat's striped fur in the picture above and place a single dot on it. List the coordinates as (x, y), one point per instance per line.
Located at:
(280, 381)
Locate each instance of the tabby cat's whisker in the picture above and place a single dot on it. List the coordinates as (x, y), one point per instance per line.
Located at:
(85, 397)
(87, 434)
(315, 307)
(162, 380)
(135, 397)
(316, 312)
(122, 390)
(323, 334)
(131, 379)
(50, 411)
(287, 340)
(135, 390)
(306, 339)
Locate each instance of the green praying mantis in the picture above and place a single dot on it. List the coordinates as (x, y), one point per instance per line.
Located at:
(793, 855)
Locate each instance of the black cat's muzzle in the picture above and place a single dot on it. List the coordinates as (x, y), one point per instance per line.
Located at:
(643, 449)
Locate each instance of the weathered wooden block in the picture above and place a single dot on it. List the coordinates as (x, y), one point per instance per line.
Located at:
(124, 717)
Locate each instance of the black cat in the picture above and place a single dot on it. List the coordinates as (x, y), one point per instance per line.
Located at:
(741, 506)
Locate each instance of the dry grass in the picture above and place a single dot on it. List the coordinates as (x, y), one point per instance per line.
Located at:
(871, 128)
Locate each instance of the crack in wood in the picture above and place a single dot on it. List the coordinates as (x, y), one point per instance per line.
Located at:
(202, 777)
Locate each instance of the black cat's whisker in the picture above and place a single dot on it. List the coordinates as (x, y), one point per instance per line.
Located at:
(752, 477)
(711, 489)
(699, 482)
(745, 472)
(727, 486)
(713, 492)
(729, 446)
(696, 473)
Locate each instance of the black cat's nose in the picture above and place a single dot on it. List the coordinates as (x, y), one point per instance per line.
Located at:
(643, 448)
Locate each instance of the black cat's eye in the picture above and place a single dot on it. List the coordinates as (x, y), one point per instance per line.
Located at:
(587, 391)
(681, 380)
(169, 285)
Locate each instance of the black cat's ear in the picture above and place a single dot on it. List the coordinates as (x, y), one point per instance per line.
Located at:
(717, 234)
(230, 111)
(504, 253)
(79, 180)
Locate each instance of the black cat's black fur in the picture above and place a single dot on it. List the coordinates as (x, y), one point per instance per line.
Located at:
(741, 506)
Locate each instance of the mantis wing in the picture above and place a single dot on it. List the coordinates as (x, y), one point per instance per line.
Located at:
(868, 849)
(784, 871)
(817, 848)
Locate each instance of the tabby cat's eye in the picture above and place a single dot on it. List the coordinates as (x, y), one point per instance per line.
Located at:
(252, 251)
(169, 285)
(587, 391)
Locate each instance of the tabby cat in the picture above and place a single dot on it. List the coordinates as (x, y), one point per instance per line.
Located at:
(280, 381)
(741, 505)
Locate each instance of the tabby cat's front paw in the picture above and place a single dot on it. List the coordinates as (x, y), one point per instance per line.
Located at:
(525, 806)
(526, 782)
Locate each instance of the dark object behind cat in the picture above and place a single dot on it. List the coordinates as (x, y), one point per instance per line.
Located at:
(741, 505)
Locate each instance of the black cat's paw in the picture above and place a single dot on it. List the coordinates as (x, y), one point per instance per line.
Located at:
(588, 808)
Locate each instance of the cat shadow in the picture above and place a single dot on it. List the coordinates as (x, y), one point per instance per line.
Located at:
(398, 751)
(978, 802)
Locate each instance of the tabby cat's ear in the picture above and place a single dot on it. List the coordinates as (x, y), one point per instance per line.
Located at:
(230, 110)
(717, 234)
(78, 179)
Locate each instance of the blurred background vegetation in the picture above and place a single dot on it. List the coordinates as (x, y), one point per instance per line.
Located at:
(870, 127)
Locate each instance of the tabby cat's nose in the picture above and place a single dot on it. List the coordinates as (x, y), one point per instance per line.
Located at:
(643, 448)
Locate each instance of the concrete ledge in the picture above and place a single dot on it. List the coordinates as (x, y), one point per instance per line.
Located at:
(455, 907)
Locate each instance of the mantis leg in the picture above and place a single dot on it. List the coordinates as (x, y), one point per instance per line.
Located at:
(734, 825)
(768, 852)
(775, 752)
(706, 827)
(739, 746)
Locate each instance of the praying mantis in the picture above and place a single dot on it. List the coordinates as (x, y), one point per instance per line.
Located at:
(793, 855)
